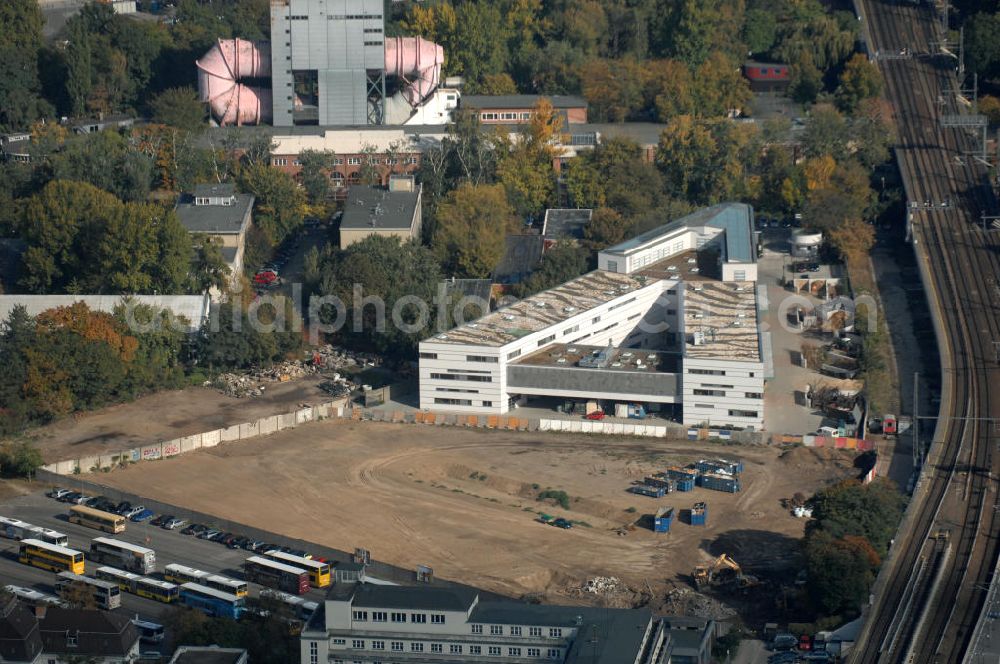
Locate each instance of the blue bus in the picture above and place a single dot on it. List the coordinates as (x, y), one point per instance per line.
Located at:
(211, 601)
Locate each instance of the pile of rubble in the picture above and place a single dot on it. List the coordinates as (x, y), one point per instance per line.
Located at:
(324, 358)
(600, 585)
(687, 602)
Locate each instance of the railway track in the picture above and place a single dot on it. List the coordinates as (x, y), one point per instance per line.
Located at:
(929, 616)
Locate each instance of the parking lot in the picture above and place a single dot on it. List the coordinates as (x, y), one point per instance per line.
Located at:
(170, 545)
(782, 411)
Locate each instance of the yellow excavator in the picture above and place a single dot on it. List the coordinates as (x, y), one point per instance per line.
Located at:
(722, 571)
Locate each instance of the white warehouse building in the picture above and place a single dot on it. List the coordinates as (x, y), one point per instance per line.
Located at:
(669, 320)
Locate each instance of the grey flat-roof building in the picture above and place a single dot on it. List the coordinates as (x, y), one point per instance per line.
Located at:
(391, 212)
(367, 623)
(218, 211)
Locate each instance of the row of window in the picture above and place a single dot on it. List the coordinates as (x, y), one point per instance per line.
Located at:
(452, 402)
(476, 379)
(352, 161)
(722, 393)
(487, 116)
(398, 617)
(453, 648)
(486, 359)
(516, 630)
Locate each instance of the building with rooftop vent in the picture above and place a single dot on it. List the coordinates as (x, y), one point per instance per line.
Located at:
(364, 624)
(668, 320)
(392, 211)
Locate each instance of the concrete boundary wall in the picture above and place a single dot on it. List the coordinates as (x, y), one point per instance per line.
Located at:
(168, 448)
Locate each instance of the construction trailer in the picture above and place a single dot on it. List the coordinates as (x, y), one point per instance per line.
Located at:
(650, 491)
(699, 515)
(663, 519)
(716, 482)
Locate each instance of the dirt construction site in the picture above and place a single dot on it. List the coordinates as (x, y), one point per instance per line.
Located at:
(465, 501)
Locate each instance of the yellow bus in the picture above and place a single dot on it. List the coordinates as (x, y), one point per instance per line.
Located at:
(181, 574)
(143, 586)
(88, 516)
(319, 573)
(52, 557)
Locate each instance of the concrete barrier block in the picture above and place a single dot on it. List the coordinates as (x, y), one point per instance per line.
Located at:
(268, 425)
(66, 467)
(305, 415)
(809, 440)
(228, 434)
(151, 452)
(211, 438)
(543, 425)
(287, 420)
(174, 447)
(249, 430)
(661, 432)
(639, 430)
(191, 443)
(88, 463)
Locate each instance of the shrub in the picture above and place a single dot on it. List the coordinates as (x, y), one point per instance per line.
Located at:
(560, 497)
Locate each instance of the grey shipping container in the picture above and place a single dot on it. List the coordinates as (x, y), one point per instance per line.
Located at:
(662, 519)
(727, 483)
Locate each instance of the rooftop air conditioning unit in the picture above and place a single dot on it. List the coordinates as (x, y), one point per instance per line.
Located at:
(569, 310)
(698, 338)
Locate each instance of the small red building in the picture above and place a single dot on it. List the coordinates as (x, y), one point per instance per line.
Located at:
(767, 76)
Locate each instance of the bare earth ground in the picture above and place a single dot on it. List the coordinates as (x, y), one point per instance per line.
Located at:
(461, 500)
(166, 415)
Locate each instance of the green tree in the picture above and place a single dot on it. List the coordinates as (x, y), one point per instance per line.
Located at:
(106, 160)
(238, 342)
(20, 41)
(315, 175)
(472, 222)
(826, 133)
(526, 168)
(860, 80)
(180, 108)
(280, 203)
(479, 48)
(78, 67)
(840, 571)
(982, 48)
(19, 459)
(559, 264)
(870, 510)
(760, 30)
(607, 227)
(388, 270)
(210, 269)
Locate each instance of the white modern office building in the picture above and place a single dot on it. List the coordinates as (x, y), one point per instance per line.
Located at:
(668, 320)
(365, 624)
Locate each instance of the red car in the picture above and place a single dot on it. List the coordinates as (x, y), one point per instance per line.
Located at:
(265, 278)
(596, 415)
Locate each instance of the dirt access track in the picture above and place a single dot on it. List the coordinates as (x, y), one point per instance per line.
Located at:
(464, 501)
(166, 415)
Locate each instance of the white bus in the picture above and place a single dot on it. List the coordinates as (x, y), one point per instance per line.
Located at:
(17, 530)
(131, 557)
(182, 574)
(302, 607)
(106, 594)
(33, 596)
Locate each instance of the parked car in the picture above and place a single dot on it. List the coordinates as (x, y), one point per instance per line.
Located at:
(69, 497)
(160, 520)
(193, 529)
(57, 493)
(144, 515)
(562, 523)
(82, 500)
(260, 547)
(123, 507)
(300, 553)
(596, 415)
(236, 543)
(132, 511)
(209, 533)
(103, 505)
(173, 523)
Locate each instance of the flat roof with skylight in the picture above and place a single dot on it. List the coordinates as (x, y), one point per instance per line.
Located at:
(544, 309)
(720, 321)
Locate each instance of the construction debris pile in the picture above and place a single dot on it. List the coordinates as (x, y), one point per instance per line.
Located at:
(609, 591)
(319, 360)
(687, 602)
(600, 585)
